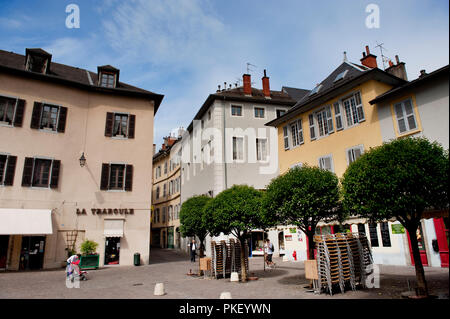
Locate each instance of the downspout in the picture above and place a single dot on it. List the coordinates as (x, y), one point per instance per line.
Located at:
(224, 145)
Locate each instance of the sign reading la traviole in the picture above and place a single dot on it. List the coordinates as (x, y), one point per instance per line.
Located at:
(107, 211)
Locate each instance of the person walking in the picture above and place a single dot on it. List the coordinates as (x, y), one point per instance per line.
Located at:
(192, 249)
(269, 251)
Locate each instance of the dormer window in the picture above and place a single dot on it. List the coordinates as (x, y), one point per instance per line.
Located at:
(340, 76)
(315, 90)
(37, 60)
(108, 76)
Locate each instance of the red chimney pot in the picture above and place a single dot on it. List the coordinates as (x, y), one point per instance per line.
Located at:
(266, 86)
(247, 84)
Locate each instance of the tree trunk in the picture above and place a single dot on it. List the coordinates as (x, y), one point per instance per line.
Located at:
(311, 245)
(422, 288)
(243, 268)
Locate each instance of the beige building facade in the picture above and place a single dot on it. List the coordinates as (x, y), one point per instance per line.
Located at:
(74, 144)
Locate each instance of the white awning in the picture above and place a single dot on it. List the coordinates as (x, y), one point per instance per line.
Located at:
(14, 221)
(113, 228)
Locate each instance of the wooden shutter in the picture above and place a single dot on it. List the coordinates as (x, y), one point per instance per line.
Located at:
(400, 118)
(27, 171)
(20, 108)
(105, 177)
(409, 111)
(131, 126)
(129, 178)
(36, 115)
(10, 169)
(329, 120)
(56, 164)
(312, 127)
(62, 119)
(337, 113)
(109, 124)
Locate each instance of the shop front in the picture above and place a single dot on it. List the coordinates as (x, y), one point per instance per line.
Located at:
(23, 237)
(113, 232)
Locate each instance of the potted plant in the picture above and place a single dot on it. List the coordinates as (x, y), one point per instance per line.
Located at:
(89, 256)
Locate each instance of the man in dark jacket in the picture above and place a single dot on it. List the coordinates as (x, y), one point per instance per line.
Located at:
(192, 248)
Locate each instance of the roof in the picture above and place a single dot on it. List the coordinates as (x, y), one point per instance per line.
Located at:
(14, 63)
(354, 75)
(238, 95)
(409, 85)
(296, 94)
(166, 151)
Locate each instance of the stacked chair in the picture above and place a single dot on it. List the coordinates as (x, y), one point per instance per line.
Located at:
(226, 258)
(342, 260)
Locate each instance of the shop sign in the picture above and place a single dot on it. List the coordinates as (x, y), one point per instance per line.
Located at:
(398, 229)
(292, 230)
(107, 211)
(288, 237)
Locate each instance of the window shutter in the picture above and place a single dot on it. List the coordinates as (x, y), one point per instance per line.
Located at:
(109, 124)
(400, 118)
(410, 114)
(312, 128)
(10, 169)
(129, 178)
(357, 152)
(36, 115)
(131, 125)
(329, 120)
(27, 171)
(286, 137)
(62, 119)
(18, 118)
(56, 164)
(350, 156)
(338, 116)
(105, 177)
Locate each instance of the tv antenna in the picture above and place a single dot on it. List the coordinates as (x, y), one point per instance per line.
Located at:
(384, 59)
(248, 67)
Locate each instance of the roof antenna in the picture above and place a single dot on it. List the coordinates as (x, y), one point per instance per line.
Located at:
(383, 57)
(248, 67)
(345, 56)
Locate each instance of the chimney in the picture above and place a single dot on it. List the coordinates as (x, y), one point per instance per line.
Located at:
(247, 84)
(154, 149)
(422, 73)
(369, 59)
(398, 69)
(266, 86)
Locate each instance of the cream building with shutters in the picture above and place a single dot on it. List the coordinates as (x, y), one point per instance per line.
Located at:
(74, 162)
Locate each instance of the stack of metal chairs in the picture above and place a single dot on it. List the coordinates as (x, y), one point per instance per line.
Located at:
(226, 257)
(342, 260)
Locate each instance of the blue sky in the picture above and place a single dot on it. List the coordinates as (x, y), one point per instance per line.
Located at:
(185, 48)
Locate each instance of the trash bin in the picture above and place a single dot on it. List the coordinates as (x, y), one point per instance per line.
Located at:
(137, 259)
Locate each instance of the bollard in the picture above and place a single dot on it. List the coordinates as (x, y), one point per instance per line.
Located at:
(225, 295)
(234, 277)
(159, 289)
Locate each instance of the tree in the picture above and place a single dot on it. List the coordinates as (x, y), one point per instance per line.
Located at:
(303, 196)
(193, 221)
(399, 179)
(236, 211)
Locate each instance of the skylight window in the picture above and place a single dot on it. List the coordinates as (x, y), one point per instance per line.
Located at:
(315, 90)
(340, 76)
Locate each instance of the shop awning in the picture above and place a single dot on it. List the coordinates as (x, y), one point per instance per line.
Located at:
(113, 228)
(14, 221)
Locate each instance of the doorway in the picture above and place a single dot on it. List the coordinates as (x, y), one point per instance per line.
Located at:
(112, 250)
(4, 240)
(32, 253)
(281, 243)
(422, 249)
(441, 228)
(170, 237)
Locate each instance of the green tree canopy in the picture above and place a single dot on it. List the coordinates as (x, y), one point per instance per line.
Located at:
(399, 179)
(236, 211)
(303, 196)
(192, 219)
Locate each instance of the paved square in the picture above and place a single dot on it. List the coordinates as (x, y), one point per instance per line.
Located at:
(287, 281)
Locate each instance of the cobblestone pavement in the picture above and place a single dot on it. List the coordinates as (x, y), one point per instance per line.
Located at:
(287, 281)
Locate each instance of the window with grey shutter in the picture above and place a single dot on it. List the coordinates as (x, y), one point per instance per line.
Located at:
(338, 116)
(405, 116)
(300, 131)
(286, 137)
(312, 128)
(294, 134)
(329, 120)
(354, 153)
(359, 107)
(326, 162)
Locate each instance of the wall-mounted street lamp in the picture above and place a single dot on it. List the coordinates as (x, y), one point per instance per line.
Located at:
(82, 160)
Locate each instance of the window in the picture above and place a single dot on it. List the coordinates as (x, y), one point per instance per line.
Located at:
(170, 210)
(11, 111)
(107, 80)
(353, 109)
(37, 63)
(236, 110)
(120, 125)
(281, 113)
(299, 164)
(165, 168)
(238, 148)
(340, 76)
(338, 116)
(312, 127)
(157, 192)
(39, 172)
(297, 133)
(259, 112)
(164, 190)
(354, 153)
(164, 211)
(406, 119)
(209, 115)
(158, 217)
(116, 176)
(385, 236)
(315, 90)
(362, 229)
(325, 121)
(373, 234)
(286, 137)
(48, 117)
(261, 149)
(326, 162)
(7, 169)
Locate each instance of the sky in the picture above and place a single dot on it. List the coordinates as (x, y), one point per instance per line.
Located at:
(184, 49)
